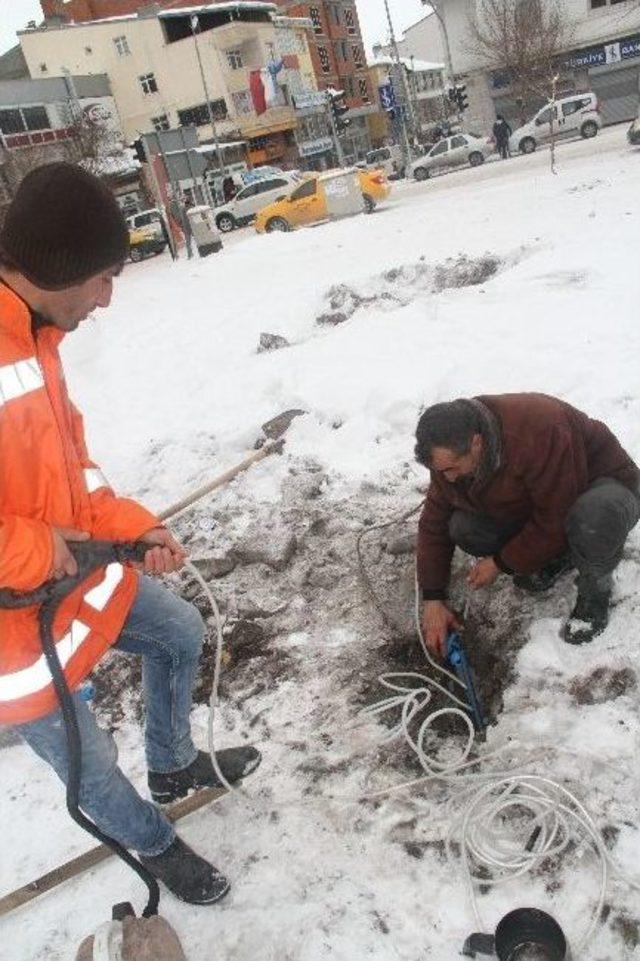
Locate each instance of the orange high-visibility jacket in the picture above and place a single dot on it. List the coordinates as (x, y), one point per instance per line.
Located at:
(47, 480)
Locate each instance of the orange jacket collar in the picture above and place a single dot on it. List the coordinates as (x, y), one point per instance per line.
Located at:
(16, 318)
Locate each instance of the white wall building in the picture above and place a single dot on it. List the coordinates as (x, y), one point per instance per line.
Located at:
(152, 63)
(603, 56)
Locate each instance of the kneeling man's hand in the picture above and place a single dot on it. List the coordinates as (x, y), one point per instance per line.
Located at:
(437, 622)
(483, 574)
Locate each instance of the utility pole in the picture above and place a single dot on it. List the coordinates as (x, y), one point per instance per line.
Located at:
(173, 247)
(395, 56)
(335, 134)
(450, 79)
(195, 26)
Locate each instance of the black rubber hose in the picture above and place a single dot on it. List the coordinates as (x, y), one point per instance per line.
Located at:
(90, 555)
(74, 746)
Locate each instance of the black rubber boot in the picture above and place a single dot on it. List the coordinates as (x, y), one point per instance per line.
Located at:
(187, 875)
(546, 577)
(589, 617)
(235, 763)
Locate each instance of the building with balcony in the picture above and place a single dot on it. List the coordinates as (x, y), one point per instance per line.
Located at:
(171, 67)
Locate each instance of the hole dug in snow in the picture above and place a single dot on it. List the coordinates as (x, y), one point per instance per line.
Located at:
(400, 286)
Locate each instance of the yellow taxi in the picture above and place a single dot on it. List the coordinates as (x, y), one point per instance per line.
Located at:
(325, 196)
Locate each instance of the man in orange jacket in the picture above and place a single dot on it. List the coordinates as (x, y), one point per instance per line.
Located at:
(63, 242)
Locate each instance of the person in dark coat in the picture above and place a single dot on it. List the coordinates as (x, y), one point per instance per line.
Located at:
(502, 132)
(229, 189)
(532, 487)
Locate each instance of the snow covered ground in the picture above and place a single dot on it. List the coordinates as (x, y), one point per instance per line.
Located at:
(384, 315)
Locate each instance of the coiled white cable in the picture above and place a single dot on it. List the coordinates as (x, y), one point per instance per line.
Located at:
(511, 822)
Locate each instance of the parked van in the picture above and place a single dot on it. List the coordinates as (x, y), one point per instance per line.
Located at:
(572, 116)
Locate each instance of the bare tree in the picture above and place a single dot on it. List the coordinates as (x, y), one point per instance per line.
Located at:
(524, 40)
(93, 144)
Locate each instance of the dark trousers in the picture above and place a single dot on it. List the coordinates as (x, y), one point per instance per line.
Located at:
(596, 526)
(503, 147)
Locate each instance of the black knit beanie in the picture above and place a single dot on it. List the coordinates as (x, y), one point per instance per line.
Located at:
(63, 226)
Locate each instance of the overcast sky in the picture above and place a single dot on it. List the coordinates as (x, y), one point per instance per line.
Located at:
(16, 13)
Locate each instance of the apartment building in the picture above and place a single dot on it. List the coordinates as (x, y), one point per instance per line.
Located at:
(166, 65)
(603, 55)
(339, 62)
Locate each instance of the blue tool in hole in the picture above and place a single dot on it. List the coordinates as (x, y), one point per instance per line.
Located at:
(459, 662)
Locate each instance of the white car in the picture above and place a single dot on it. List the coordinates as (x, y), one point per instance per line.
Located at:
(252, 198)
(572, 116)
(455, 151)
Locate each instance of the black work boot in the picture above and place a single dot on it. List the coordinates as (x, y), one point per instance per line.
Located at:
(235, 763)
(546, 577)
(588, 618)
(187, 875)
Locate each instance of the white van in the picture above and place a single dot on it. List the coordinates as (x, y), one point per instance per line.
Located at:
(572, 116)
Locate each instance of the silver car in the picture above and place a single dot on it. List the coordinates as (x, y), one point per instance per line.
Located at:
(455, 151)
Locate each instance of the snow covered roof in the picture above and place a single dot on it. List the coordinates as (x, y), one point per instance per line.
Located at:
(48, 26)
(231, 5)
(410, 63)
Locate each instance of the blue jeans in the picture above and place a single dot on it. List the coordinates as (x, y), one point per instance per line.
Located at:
(167, 632)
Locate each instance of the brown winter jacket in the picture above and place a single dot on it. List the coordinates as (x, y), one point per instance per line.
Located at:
(549, 455)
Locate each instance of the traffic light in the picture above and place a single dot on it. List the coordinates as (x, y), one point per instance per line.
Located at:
(461, 97)
(138, 149)
(339, 109)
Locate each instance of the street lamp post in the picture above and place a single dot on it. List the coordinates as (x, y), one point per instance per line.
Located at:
(395, 56)
(195, 25)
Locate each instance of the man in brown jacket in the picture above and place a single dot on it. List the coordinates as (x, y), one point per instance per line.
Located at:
(532, 487)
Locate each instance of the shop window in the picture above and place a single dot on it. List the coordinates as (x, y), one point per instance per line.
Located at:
(36, 118)
(199, 116)
(18, 120)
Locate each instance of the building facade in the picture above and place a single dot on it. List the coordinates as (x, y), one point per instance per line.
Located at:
(603, 56)
(167, 65)
(339, 61)
(64, 118)
(421, 83)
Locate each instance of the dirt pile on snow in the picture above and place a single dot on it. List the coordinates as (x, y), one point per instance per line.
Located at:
(400, 286)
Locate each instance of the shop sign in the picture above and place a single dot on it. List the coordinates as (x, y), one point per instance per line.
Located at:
(311, 147)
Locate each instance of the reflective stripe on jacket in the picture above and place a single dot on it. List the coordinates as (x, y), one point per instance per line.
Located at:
(47, 480)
